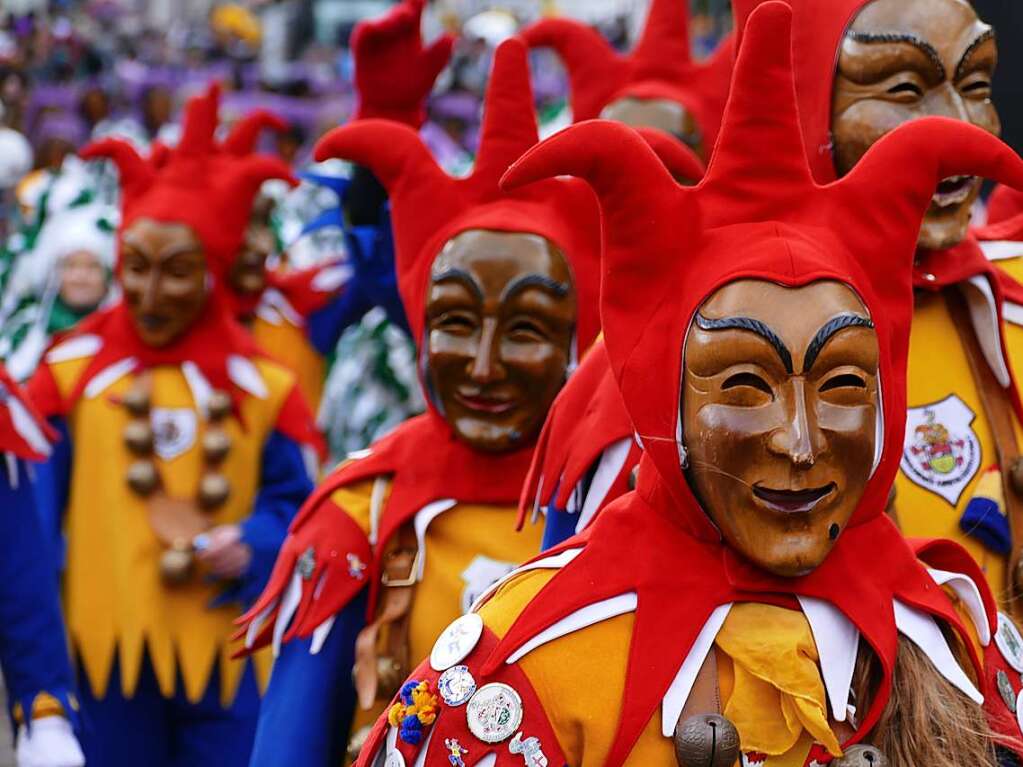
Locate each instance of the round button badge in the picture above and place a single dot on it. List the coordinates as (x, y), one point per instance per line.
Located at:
(456, 642)
(394, 759)
(456, 685)
(494, 713)
(1009, 642)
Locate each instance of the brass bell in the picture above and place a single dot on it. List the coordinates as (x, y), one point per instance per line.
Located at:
(1016, 475)
(143, 478)
(138, 436)
(176, 563)
(214, 490)
(219, 405)
(216, 445)
(862, 755)
(390, 675)
(706, 740)
(137, 401)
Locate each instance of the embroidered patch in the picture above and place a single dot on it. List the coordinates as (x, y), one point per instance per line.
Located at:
(174, 431)
(753, 759)
(494, 713)
(530, 750)
(942, 453)
(482, 573)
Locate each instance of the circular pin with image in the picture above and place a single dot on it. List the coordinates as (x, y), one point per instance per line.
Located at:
(494, 713)
(1009, 642)
(456, 642)
(456, 685)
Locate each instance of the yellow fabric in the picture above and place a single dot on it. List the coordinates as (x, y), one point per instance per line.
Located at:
(289, 345)
(115, 599)
(777, 694)
(43, 706)
(455, 540)
(769, 682)
(932, 378)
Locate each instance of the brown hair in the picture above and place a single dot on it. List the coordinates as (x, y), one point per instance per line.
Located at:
(927, 719)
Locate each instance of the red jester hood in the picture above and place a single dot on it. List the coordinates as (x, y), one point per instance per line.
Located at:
(210, 187)
(761, 216)
(660, 67)
(429, 207)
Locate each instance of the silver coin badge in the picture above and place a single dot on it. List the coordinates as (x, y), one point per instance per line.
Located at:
(456, 685)
(1006, 691)
(456, 642)
(1009, 642)
(494, 713)
(394, 759)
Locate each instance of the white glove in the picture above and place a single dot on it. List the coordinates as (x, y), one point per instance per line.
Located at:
(50, 743)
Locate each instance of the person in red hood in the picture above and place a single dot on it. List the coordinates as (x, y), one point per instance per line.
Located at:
(500, 290)
(896, 61)
(751, 594)
(183, 460)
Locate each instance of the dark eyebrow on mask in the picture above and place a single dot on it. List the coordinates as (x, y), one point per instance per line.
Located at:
(982, 38)
(542, 281)
(826, 333)
(461, 276)
(899, 37)
(753, 326)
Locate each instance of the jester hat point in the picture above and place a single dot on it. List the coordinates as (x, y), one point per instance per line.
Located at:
(201, 183)
(429, 207)
(660, 67)
(757, 215)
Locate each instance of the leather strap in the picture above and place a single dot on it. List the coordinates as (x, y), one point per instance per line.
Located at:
(705, 697)
(1001, 420)
(400, 572)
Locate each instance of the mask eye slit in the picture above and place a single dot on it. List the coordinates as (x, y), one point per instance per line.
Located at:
(844, 381)
(750, 380)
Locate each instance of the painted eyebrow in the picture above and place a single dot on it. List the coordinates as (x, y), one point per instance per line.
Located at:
(901, 37)
(462, 276)
(982, 38)
(163, 255)
(827, 332)
(753, 326)
(551, 285)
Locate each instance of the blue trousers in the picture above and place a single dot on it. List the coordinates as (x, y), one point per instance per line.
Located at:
(149, 729)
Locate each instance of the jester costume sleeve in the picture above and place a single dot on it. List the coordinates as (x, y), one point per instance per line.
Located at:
(210, 411)
(460, 502)
(589, 655)
(33, 644)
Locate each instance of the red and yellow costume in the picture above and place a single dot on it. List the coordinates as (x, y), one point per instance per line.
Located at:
(602, 640)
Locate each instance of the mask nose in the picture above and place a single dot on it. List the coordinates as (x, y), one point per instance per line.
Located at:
(799, 439)
(950, 104)
(150, 291)
(486, 366)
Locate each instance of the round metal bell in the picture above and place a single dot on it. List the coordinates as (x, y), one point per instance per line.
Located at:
(214, 490)
(138, 436)
(215, 446)
(862, 755)
(137, 401)
(1016, 475)
(390, 675)
(176, 564)
(706, 740)
(219, 405)
(143, 477)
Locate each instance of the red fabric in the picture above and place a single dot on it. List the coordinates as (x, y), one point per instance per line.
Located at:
(660, 67)
(587, 417)
(298, 288)
(452, 721)
(428, 207)
(681, 161)
(1004, 203)
(755, 215)
(210, 187)
(23, 431)
(426, 463)
(198, 183)
(394, 71)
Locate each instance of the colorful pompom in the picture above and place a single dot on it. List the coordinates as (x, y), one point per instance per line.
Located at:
(418, 709)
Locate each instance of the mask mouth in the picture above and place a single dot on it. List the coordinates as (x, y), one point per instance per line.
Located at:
(954, 190)
(793, 501)
(485, 403)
